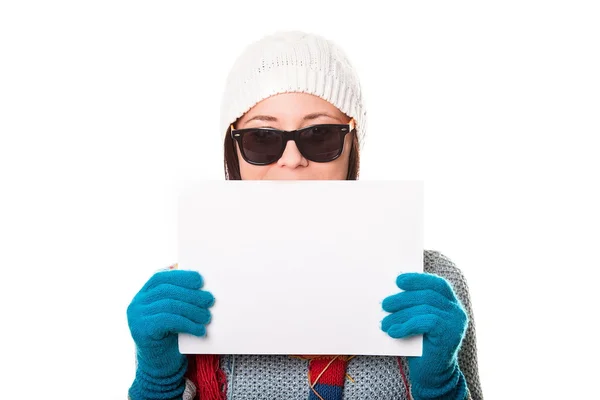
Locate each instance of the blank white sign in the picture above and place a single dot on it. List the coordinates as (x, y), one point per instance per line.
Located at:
(300, 267)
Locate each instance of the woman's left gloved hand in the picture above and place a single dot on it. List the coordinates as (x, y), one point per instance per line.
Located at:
(429, 306)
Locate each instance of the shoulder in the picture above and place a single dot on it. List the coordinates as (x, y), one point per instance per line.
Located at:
(434, 262)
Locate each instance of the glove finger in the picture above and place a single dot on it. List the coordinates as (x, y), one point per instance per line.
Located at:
(195, 314)
(421, 281)
(419, 325)
(403, 316)
(160, 325)
(198, 298)
(404, 300)
(185, 279)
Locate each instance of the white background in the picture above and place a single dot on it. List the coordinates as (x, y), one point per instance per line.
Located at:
(106, 107)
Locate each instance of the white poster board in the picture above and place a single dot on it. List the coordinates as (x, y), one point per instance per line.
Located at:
(300, 267)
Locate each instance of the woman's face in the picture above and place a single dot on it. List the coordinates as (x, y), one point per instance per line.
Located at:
(291, 111)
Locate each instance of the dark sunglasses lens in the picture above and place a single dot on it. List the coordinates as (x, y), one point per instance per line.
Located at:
(262, 146)
(322, 143)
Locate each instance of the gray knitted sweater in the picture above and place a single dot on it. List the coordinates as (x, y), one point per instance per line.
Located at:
(253, 377)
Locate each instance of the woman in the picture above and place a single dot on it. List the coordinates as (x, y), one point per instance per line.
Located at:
(293, 109)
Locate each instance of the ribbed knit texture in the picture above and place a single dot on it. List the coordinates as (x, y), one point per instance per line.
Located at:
(253, 377)
(326, 377)
(293, 62)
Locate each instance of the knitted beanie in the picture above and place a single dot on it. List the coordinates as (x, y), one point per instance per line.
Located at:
(292, 61)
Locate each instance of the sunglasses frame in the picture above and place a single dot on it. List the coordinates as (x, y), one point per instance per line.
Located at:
(237, 135)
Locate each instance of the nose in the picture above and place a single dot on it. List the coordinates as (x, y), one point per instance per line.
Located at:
(291, 157)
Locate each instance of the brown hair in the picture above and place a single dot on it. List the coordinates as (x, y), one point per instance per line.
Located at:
(232, 163)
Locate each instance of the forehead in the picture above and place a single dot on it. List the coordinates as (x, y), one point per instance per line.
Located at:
(293, 105)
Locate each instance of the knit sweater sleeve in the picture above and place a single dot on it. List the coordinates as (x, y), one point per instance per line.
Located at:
(188, 394)
(190, 390)
(438, 264)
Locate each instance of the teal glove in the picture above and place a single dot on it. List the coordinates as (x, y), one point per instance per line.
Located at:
(168, 304)
(429, 306)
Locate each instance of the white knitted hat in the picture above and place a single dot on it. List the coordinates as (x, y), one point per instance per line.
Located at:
(292, 62)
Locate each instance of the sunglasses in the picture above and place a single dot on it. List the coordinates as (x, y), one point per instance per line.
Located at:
(318, 143)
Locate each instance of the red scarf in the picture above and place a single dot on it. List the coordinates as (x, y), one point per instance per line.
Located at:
(205, 372)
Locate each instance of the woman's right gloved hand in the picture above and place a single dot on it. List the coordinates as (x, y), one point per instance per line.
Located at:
(168, 304)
